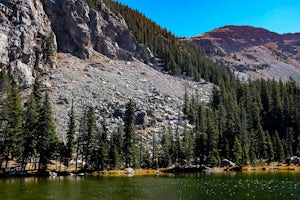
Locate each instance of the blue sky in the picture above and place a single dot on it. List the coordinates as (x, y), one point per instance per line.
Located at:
(192, 17)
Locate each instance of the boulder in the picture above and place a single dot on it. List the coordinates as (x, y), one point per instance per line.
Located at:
(141, 118)
(227, 163)
(295, 160)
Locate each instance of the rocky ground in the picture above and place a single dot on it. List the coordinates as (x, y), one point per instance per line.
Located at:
(108, 84)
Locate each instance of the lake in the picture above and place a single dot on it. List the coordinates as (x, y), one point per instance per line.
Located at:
(267, 185)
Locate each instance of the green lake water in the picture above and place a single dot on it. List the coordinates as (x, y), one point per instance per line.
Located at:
(237, 186)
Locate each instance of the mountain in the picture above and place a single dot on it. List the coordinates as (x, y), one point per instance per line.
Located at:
(253, 52)
(99, 55)
(90, 56)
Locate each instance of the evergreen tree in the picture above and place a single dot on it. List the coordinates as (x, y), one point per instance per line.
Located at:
(154, 152)
(104, 145)
(46, 141)
(89, 138)
(270, 149)
(115, 149)
(80, 140)
(49, 48)
(212, 140)
(245, 143)
(289, 142)
(129, 148)
(165, 156)
(186, 102)
(278, 148)
(261, 144)
(70, 135)
(178, 153)
(31, 120)
(13, 123)
(187, 145)
(37, 93)
(237, 151)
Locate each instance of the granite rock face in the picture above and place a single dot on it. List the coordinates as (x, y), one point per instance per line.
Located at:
(24, 28)
(80, 30)
(32, 31)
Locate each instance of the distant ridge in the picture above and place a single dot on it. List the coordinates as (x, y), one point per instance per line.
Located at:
(253, 52)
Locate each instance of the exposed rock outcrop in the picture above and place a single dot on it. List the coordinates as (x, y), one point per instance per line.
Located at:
(23, 36)
(80, 30)
(32, 31)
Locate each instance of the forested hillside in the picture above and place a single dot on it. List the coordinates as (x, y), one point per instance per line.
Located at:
(176, 57)
(249, 123)
(245, 121)
(253, 122)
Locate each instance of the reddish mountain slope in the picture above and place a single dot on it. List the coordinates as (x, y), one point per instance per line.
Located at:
(253, 52)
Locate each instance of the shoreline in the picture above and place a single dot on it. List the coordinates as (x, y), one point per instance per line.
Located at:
(151, 172)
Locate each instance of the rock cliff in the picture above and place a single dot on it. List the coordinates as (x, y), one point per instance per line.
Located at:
(31, 31)
(80, 30)
(24, 30)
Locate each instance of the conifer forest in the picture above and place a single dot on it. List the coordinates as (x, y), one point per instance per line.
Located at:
(253, 122)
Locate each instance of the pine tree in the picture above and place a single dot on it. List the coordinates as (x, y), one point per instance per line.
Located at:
(278, 148)
(154, 152)
(80, 139)
(115, 149)
(37, 93)
(261, 148)
(47, 140)
(129, 149)
(31, 117)
(70, 135)
(237, 151)
(13, 123)
(187, 145)
(186, 102)
(165, 157)
(270, 148)
(245, 148)
(89, 138)
(212, 140)
(104, 145)
(49, 48)
(178, 154)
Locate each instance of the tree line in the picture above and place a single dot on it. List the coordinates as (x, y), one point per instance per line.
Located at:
(250, 123)
(27, 133)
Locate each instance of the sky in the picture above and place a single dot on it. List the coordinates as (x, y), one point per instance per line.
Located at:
(186, 18)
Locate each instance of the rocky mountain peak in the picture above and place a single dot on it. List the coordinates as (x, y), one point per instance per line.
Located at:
(253, 52)
(234, 38)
